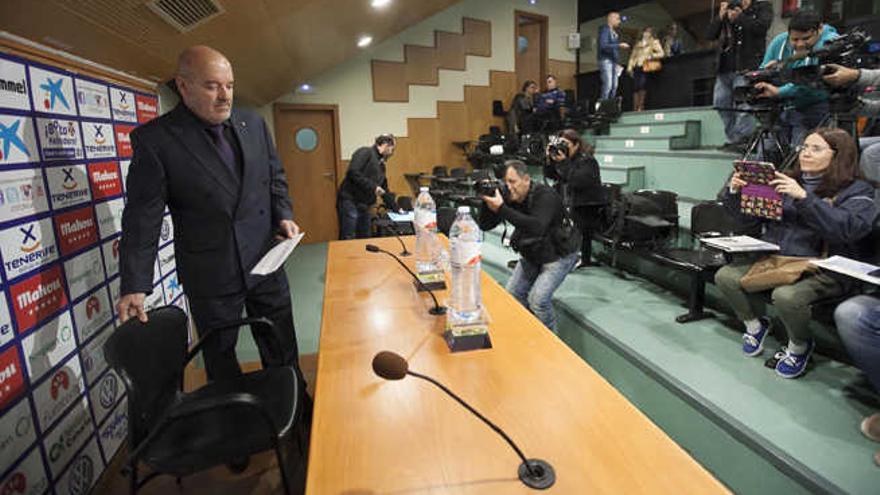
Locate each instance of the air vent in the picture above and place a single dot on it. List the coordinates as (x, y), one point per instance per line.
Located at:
(185, 15)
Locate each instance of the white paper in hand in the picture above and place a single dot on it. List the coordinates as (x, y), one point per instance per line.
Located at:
(276, 256)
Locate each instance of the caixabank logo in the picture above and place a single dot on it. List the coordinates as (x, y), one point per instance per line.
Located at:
(13, 86)
(59, 139)
(68, 436)
(105, 179)
(68, 185)
(37, 297)
(92, 99)
(52, 92)
(27, 246)
(17, 433)
(58, 392)
(76, 230)
(11, 376)
(22, 193)
(147, 108)
(18, 141)
(123, 140)
(91, 314)
(98, 140)
(28, 478)
(123, 105)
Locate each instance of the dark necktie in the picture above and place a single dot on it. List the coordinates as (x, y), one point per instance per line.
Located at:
(223, 147)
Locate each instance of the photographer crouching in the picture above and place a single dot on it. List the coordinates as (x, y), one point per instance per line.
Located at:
(570, 164)
(546, 242)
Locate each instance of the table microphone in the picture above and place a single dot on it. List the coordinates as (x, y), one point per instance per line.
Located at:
(393, 229)
(437, 309)
(534, 473)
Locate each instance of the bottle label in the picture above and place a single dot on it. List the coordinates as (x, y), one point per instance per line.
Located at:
(466, 253)
(428, 220)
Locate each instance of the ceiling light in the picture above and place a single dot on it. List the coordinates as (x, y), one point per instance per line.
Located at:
(533, 2)
(378, 4)
(305, 87)
(365, 41)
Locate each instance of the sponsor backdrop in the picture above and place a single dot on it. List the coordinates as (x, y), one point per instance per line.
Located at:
(64, 154)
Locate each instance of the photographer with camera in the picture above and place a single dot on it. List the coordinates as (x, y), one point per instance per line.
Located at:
(741, 30)
(860, 79)
(807, 107)
(546, 241)
(570, 164)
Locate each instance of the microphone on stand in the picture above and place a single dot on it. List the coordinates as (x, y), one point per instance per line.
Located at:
(437, 309)
(393, 228)
(534, 473)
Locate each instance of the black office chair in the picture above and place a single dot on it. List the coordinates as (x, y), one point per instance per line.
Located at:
(179, 433)
(458, 172)
(405, 203)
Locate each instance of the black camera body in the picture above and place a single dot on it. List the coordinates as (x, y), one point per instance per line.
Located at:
(557, 145)
(487, 187)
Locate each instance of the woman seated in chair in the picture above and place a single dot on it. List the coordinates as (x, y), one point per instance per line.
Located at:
(828, 209)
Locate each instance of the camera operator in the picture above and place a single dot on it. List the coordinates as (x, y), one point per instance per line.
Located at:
(571, 165)
(807, 107)
(741, 30)
(546, 243)
(860, 79)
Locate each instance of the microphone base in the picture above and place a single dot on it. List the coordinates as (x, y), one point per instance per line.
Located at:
(438, 310)
(467, 339)
(405, 253)
(543, 478)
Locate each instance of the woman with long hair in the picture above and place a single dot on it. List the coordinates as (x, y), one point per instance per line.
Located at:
(828, 209)
(646, 49)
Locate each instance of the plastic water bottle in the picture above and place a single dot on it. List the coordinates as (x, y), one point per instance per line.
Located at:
(425, 223)
(465, 239)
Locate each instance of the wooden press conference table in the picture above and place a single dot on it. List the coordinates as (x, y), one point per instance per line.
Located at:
(371, 436)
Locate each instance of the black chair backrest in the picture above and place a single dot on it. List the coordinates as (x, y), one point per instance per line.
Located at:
(150, 359)
(498, 109)
(439, 171)
(712, 216)
(405, 203)
(445, 217)
(458, 172)
(480, 174)
(667, 201)
(612, 192)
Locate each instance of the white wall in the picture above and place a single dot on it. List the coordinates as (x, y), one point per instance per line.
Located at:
(349, 85)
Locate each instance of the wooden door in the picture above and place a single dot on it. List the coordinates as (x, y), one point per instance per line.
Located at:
(531, 48)
(307, 137)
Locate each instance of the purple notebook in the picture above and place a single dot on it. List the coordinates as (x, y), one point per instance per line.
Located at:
(758, 198)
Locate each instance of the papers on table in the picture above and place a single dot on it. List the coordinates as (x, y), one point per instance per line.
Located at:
(739, 244)
(852, 268)
(401, 217)
(276, 256)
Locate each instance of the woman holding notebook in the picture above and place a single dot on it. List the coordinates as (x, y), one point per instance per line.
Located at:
(828, 209)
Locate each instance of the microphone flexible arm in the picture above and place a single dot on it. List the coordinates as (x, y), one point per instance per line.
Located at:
(437, 309)
(397, 234)
(477, 414)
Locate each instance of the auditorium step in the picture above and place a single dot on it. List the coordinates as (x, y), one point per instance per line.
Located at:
(666, 129)
(756, 432)
(711, 127)
(666, 137)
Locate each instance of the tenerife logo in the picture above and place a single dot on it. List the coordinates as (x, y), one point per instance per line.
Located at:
(98, 140)
(82, 473)
(123, 101)
(25, 247)
(10, 138)
(53, 93)
(69, 181)
(99, 134)
(123, 105)
(68, 185)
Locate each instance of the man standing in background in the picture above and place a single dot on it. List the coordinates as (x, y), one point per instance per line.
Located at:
(609, 55)
(364, 181)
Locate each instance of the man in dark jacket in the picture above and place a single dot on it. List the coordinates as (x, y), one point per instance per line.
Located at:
(608, 55)
(741, 30)
(547, 248)
(364, 181)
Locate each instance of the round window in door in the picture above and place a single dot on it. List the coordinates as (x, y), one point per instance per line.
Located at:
(306, 139)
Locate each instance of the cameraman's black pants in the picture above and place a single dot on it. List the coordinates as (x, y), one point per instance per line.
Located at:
(588, 219)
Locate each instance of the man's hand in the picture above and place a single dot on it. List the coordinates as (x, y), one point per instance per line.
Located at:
(732, 14)
(624, 46)
(379, 191)
(494, 202)
(722, 9)
(767, 90)
(132, 305)
(288, 229)
(841, 76)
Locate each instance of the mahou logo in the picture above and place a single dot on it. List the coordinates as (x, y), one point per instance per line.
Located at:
(123, 140)
(76, 230)
(38, 297)
(11, 378)
(105, 180)
(147, 108)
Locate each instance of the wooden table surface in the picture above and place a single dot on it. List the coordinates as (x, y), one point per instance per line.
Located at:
(372, 436)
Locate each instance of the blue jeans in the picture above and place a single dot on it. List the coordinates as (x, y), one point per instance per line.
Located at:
(608, 78)
(533, 285)
(858, 323)
(738, 126)
(354, 219)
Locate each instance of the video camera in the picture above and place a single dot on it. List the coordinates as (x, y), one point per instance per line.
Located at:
(487, 187)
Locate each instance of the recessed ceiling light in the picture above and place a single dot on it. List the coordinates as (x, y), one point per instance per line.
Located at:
(365, 41)
(378, 4)
(533, 2)
(305, 87)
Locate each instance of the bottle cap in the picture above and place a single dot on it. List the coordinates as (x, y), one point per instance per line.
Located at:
(423, 189)
(464, 209)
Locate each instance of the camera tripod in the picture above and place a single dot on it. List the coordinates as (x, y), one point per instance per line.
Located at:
(765, 143)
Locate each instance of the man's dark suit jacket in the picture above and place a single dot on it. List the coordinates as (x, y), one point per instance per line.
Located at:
(223, 223)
